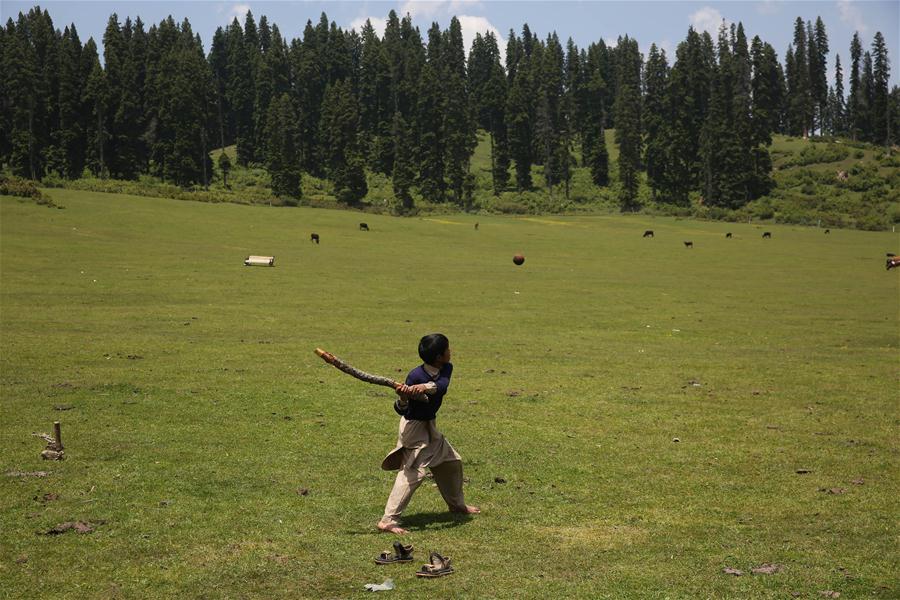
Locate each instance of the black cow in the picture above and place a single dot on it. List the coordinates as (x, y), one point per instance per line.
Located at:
(363, 226)
(728, 235)
(314, 237)
(689, 244)
(827, 231)
(476, 226)
(767, 234)
(648, 233)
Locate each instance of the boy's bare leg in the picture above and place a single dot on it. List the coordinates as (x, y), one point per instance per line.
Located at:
(449, 478)
(404, 485)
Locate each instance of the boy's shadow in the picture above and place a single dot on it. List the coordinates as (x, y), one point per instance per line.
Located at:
(433, 521)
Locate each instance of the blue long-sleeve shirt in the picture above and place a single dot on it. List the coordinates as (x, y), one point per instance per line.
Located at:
(425, 411)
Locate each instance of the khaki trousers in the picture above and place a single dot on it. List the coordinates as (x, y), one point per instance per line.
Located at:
(419, 446)
(448, 476)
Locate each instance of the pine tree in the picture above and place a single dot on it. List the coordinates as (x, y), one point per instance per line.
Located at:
(593, 143)
(799, 89)
(837, 108)
(431, 108)
(723, 148)
(550, 129)
(225, 166)
(282, 149)
(70, 137)
(218, 62)
(519, 127)
(855, 102)
(655, 118)
(459, 123)
(20, 74)
(628, 121)
(765, 94)
(96, 101)
(340, 135)
(122, 72)
(880, 94)
(403, 174)
(818, 57)
(239, 92)
(488, 84)
(689, 99)
(866, 100)
(376, 109)
(272, 77)
(184, 100)
(520, 107)
(894, 116)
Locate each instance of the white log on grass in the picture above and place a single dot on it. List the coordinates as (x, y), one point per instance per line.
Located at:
(259, 261)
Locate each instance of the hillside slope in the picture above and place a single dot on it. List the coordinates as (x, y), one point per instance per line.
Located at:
(825, 182)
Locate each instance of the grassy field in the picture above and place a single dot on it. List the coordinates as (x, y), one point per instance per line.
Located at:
(648, 406)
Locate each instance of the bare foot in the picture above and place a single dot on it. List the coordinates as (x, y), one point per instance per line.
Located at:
(469, 510)
(391, 528)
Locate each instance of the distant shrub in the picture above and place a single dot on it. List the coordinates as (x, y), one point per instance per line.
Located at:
(10, 185)
(817, 153)
(889, 160)
(873, 222)
(859, 154)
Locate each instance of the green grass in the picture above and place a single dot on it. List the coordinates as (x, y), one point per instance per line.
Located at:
(200, 408)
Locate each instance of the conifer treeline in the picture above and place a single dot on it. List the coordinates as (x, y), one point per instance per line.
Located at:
(336, 103)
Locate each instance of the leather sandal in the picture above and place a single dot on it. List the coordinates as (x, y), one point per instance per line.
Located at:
(401, 554)
(439, 566)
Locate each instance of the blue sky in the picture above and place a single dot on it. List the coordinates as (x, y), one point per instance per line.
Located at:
(662, 22)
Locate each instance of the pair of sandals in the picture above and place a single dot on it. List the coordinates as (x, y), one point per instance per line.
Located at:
(437, 567)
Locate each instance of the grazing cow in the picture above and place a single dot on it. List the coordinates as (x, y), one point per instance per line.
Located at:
(476, 226)
(648, 233)
(314, 237)
(893, 262)
(767, 234)
(827, 231)
(689, 244)
(363, 226)
(728, 235)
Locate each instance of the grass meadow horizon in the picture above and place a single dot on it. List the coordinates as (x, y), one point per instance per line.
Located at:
(634, 416)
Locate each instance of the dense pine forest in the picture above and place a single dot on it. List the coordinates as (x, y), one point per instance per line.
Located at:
(407, 110)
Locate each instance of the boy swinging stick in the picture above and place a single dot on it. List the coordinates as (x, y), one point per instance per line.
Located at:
(419, 445)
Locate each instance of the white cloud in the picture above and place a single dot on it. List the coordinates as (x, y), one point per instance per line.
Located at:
(378, 24)
(768, 7)
(428, 9)
(707, 19)
(471, 25)
(234, 11)
(851, 15)
(666, 45)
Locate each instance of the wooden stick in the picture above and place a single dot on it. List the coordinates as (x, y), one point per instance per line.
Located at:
(58, 434)
(361, 375)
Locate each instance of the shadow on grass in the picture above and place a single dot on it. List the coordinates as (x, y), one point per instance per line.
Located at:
(434, 521)
(426, 521)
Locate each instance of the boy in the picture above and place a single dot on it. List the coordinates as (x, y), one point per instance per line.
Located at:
(420, 444)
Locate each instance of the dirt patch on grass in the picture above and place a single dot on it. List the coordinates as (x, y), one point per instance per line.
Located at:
(595, 535)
